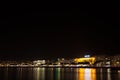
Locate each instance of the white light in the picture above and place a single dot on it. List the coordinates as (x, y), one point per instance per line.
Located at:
(86, 56)
(87, 74)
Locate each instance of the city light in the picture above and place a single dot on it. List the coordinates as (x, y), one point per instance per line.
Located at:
(87, 74)
(91, 60)
(87, 56)
(87, 61)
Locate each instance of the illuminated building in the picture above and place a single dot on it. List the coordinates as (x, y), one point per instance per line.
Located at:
(39, 62)
(91, 60)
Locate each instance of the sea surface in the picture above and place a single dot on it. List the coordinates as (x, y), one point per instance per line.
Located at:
(59, 74)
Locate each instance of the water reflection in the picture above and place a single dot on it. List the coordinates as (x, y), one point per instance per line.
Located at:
(19, 73)
(59, 74)
(53, 74)
(87, 74)
(7, 74)
(39, 73)
(108, 74)
(101, 74)
(49, 73)
(119, 74)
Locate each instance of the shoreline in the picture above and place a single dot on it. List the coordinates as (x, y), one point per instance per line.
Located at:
(57, 67)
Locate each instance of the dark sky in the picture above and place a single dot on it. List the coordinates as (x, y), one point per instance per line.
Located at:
(47, 31)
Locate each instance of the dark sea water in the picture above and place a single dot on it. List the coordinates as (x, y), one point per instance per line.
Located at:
(59, 74)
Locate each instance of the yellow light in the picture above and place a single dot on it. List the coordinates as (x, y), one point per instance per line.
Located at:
(81, 73)
(93, 74)
(87, 74)
(91, 60)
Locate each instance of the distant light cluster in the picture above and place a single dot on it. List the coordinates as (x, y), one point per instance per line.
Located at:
(86, 61)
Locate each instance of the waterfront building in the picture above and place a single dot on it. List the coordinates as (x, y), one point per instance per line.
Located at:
(38, 62)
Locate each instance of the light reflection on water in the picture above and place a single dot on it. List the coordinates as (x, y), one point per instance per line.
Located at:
(58, 74)
(87, 74)
(39, 73)
(108, 74)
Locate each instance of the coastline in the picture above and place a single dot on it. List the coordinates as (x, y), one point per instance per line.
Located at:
(118, 68)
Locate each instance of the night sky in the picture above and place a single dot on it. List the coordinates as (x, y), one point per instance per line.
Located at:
(48, 32)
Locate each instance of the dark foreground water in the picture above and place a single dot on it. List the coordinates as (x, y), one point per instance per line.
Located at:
(59, 74)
